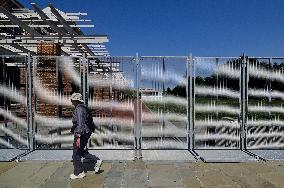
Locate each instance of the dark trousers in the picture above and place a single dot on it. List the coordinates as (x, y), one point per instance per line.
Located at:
(79, 152)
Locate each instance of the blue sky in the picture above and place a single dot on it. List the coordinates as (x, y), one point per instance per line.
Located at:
(178, 27)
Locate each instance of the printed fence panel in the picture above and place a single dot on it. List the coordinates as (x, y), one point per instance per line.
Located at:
(55, 78)
(13, 102)
(265, 113)
(111, 98)
(163, 102)
(217, 103)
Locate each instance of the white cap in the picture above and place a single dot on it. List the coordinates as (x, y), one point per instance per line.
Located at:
(76, 97)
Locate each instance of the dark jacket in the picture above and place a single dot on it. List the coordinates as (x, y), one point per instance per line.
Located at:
(79, 120)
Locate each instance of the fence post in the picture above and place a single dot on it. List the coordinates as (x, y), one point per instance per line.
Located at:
(84, 80)
(4, 82)
(87, 81)
(244, 98)
(135, 114)
(58, 93)
(190, 103)
(137, 128)
(29, 105)
(136, 111)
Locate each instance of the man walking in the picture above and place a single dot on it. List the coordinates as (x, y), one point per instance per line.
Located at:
(82, 131)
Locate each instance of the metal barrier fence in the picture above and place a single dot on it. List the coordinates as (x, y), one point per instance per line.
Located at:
(144, 102)
(265, 94)
(164, 103)
(217, 102)
(14, 111)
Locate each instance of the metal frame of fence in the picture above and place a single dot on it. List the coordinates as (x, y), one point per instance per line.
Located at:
(137, 60)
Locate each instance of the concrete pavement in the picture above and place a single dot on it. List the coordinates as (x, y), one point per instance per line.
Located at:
(141, 174)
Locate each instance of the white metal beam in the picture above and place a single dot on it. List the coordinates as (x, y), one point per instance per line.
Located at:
(56, 39)
(17, 21)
